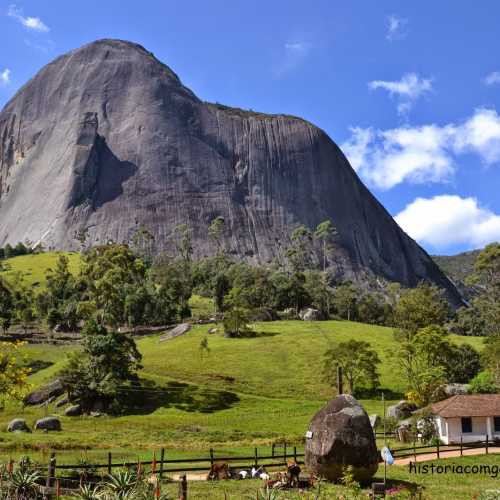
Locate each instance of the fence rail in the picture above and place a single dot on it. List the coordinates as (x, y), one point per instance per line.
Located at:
(414, 451)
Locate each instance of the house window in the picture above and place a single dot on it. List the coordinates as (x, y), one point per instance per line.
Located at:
(497, 424)
(466, 424)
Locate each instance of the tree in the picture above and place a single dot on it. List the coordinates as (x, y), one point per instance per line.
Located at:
(483, 383)
(13, 373)
(143, 241)
(109, 271)
(358, 361)
(491, 357)
(215, 232)
(324, 233)
(419, 307)
(422, 359)
(299, 253)
(463, 363)
(344, 300)
(109, 359)
(182, 237)
(235, 322)
(6, 306)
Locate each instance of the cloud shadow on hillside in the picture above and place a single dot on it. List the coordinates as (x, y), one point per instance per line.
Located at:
(146, 397)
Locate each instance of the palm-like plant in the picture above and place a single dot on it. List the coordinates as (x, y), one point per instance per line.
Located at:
(88, 492)
(23, 484)
(121, 484)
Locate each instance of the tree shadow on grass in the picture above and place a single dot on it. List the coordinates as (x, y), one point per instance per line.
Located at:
(146, 397)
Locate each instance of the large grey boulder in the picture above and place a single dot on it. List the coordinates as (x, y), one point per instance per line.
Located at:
(73, 411)
(339, 435)
(310, 314)
(45, 393)
(403, 409)
(176, 332)
(106, 137)
(455, 389)
(48, 424)
(18, 425)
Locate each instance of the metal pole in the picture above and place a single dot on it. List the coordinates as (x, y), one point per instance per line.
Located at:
(385, 443)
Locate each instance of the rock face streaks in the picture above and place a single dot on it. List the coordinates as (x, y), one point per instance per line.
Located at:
(106, 139)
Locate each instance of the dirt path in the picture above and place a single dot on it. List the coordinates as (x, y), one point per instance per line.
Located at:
(445, 454)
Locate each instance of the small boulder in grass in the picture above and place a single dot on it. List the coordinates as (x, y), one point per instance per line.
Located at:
(48, 424)
(18, 425)
(73, 411)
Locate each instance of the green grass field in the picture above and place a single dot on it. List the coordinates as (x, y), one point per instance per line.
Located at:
(31, 270)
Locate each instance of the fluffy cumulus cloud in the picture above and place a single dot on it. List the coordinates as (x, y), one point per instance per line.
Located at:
(447, 220)
(406, 91)
(386, 158)
(30, 23)
(5, 76)
(492, 78)
(396, 27)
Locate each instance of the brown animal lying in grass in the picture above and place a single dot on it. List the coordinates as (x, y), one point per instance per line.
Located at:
(219, 470)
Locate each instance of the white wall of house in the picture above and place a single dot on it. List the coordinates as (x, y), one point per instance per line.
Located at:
(450, 430)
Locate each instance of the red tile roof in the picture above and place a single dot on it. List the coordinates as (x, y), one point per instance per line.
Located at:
(477, 405)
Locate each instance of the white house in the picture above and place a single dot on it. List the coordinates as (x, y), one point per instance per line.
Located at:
(468, 418)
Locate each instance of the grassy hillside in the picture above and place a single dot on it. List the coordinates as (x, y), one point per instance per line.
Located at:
(32, 269)
(245, 392)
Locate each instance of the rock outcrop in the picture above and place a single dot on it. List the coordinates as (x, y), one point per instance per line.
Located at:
(340, 435)
(48, 424)
(18, 425)
(45, 393)
(106, 140)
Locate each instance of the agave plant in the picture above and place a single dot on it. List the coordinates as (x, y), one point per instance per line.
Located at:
(88, 492)
(23, 484)
(121, 485)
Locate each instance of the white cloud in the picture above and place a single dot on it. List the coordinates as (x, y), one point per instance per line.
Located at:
(5, 76)
(386, 158)
(407, 90)
(448, 220)
(294, 55)
(492, 78)
(31, 23)
(396, 27)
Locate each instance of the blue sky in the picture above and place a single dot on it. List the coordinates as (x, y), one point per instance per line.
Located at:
(409, 90)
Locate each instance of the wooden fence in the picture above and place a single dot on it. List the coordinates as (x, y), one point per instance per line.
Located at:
(414, 451)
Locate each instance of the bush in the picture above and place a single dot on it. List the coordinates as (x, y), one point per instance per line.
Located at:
(483, 383)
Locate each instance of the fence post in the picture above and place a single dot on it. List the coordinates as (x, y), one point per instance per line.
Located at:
(272, 450)
(437, 449)
(109, 462)
(486, 444)
(183, 488)
(257, 458)
(51, 470)
(58, 488)
(295, 454)
(211, 457)
(162, 458)
(414, 450)
(461, 446)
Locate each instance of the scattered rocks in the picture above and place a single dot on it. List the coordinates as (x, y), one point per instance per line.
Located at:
(264, 314)
(340, 434)
(62, 402)
(456, 389)
(176, 332)
(18, 425)
(41, 395)
(48, 424)
(403, 409)
(73, 411)
(311, 314)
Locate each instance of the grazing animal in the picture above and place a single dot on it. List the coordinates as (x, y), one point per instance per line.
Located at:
(243, 474)
(219, 470)
(292, 473)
